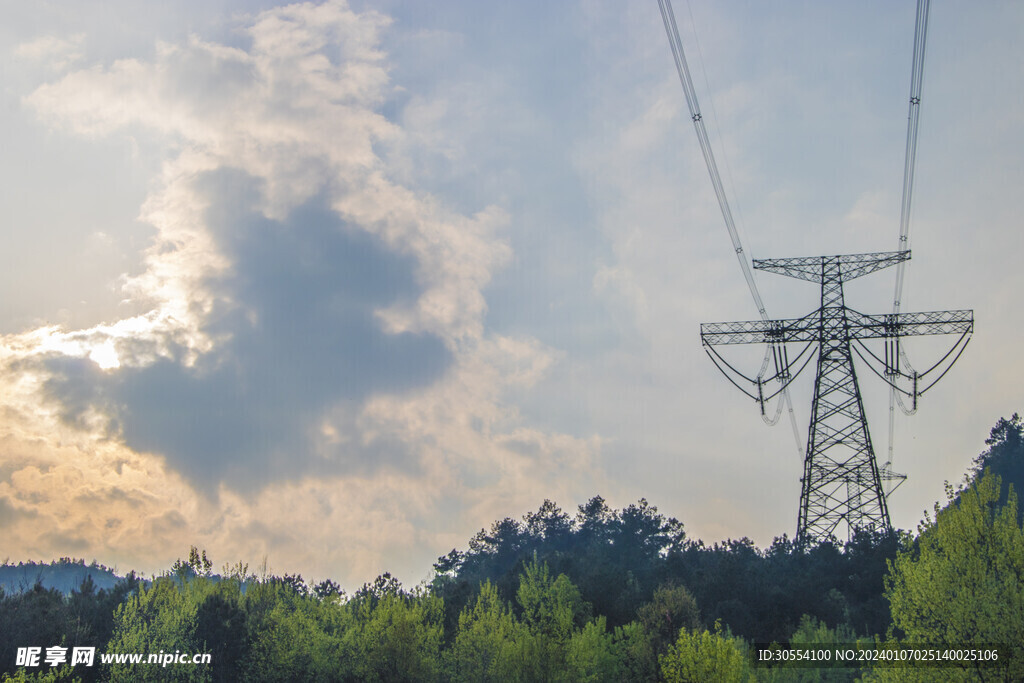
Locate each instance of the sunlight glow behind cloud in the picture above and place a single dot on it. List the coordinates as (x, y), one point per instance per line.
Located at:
(291, 119)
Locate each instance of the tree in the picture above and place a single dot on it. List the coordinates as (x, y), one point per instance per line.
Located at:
(671, 609)
(398, 637)
(706, 656)
(1004, 457)
(613, 557)
(35, 617)
(197, 565)
(550, 524)
(816, 634)
(61, 674)
(485, 647)
(637, 658)
(296, 638)
(552, 608)
(593, 655)
(964, 584)
(160, 618)
(221, 630)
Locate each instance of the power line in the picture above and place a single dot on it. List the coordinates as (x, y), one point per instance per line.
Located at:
(909, 163)
(669, 19)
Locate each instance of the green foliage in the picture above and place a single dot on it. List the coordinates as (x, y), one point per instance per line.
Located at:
(813, 631)
(553, 641)
(637, 658)
(44, 617)
(618, 559)
(38, 617)
(551, 607)
(816, 634)
(762, 595)
(551, 610)
(398, 638)
(162, 617)
(699, 656)
(297, 638)
(1004, 458)
(221, 629)
(486, 647)
(670, 609)
(531, 624)
(964, 583)
(613, 557)
(593, 655)
(62, 674)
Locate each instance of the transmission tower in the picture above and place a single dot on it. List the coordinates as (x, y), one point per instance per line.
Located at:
(841, 479)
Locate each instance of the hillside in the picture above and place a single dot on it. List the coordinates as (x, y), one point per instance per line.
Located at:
(63, 575)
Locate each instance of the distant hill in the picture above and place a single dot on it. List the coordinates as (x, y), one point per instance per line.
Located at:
(65, 575)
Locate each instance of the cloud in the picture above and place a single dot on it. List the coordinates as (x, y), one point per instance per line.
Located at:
(287, 272)
(297, 330)
(311, 366)
(57, 53)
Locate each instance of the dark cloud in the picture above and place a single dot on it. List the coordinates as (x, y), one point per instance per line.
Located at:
(296, 313)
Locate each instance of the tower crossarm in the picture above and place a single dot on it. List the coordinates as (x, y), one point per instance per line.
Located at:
(813, 268)
(805, 329)
(888, 326)
(859, 326)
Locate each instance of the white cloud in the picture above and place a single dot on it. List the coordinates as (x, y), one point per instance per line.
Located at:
(57, 53)
(296, 112)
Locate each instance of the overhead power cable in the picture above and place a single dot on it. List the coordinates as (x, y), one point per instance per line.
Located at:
(916, 79)
(669, 19)
(705, 146)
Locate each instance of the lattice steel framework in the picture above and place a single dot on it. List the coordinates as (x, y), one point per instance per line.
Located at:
(841, 480)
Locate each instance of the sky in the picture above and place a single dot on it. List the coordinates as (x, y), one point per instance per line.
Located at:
(332, 286)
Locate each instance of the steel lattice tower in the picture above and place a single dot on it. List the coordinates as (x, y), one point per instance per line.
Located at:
(841, 479)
